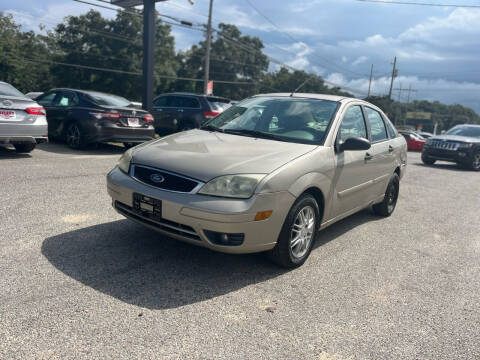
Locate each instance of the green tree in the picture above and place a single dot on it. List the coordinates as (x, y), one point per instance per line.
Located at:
(16, 49)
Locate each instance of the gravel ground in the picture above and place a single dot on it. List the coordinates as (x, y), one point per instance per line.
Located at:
(79, 281)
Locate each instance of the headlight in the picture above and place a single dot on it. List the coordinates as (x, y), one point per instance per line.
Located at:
(428, 142)
(464, 145)
(124, 162)
(232, 186)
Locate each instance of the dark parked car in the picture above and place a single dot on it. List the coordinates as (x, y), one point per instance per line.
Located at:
(183, 111)
(84, 117)
(460, 144)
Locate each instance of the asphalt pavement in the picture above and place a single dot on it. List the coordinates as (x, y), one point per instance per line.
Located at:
(79, 281)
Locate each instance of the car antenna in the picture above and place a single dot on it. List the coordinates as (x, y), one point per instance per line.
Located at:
(301, 85)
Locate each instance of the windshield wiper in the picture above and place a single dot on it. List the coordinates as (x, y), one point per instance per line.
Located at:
(254, 133)
(211, 128)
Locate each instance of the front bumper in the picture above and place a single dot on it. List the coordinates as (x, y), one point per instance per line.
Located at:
(458, 156)
(186, 217)
(111, 132)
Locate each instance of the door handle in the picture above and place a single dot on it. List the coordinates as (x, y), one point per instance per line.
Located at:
(390, 148)
(157, 109)
(368, 157)
(180, 110)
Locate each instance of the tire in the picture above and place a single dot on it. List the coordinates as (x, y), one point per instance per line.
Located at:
(186, 126)
(74, 136)
(24, 148)
(387, 206)
(300, 226)
(475, 164)
(427, 161)
(129, 145)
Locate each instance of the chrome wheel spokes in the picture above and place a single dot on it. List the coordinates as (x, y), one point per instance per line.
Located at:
(301, 234)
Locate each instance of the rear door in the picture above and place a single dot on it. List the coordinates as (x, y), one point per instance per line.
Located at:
(163, 112)
(381, 154)
(189, 112)
(63, 105)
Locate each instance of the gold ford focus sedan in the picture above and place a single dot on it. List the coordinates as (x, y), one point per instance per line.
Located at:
(265, 175)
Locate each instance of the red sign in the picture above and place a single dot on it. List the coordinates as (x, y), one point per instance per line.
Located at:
(210, 88)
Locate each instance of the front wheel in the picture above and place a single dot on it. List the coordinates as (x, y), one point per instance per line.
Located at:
(24, 148)
(427, 161)
(387, 206)
(297, 237)
(475, 164)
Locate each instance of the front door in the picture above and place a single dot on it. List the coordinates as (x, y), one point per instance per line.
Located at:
(352, 179)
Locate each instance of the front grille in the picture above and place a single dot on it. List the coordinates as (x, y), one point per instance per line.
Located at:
(166, 226)
(164, 179)
(445, 145)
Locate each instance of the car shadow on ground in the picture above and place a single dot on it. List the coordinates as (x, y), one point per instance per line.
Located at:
(8, 152)
(141, 267)
(97, 149)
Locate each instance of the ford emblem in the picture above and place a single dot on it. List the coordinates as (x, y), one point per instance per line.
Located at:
(157, 178)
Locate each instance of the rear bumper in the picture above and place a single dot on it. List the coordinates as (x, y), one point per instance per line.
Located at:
(26, 132)
(116, 133)
(188, 217)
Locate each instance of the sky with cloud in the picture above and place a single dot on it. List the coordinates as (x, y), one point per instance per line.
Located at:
(437, 48)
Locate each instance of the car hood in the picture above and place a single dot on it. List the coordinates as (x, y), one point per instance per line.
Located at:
(456, 138)
(205, 155)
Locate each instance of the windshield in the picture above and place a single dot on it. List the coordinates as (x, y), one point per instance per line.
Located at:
(471, 131)
(282, 118)
(9, 90)
(109, 100)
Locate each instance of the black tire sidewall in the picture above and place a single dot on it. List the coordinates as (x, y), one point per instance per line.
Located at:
(82, 140)
(382, 208)
(24, 148)
(282, 253)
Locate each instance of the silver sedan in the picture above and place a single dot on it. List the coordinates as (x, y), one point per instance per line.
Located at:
(22, 121)
(265, 175)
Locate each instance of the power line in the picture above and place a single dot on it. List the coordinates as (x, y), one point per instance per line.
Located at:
(297, 41)
(419, 3)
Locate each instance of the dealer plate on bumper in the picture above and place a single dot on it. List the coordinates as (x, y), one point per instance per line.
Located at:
(147, 206)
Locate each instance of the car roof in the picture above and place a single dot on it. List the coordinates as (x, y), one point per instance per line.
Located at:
(474, 125)
(190, 94)
(309, 96)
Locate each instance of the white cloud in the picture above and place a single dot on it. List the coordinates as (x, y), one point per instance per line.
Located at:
(359, 60)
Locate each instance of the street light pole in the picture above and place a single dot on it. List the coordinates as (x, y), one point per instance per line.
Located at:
(148, 53)
(207, 54)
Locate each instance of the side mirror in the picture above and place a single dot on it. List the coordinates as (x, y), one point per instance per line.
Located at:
(354, 143)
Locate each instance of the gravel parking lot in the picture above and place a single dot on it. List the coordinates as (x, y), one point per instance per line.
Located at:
(80, 281)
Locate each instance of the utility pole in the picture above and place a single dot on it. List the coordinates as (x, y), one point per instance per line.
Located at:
(148, 53)
(207, 54)
(394, 75)
(370, 82)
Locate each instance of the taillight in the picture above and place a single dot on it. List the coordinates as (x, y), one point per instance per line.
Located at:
(148, 118)
(106, 115)
(210, 114)
(35, 110)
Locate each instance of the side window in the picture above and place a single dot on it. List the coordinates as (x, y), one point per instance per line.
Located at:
(67, 98)
(392, 132)
(377, 126)
(406, 136)
(175, 101)
(190, 102)
(161, 101)
(47, 99)
(353, 124)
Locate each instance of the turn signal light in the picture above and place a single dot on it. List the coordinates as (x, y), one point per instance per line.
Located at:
(35, 110)
(263, 215)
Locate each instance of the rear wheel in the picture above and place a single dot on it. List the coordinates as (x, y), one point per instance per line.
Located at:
(74, 136)
(426, 160)
(184, 126)
(129, 145)
(24, 148)
(387, 206)
(297, 237)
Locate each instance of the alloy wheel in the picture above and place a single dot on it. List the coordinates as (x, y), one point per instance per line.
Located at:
(301, 234)
(476, 161)
(73, 136)
(392, 197)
